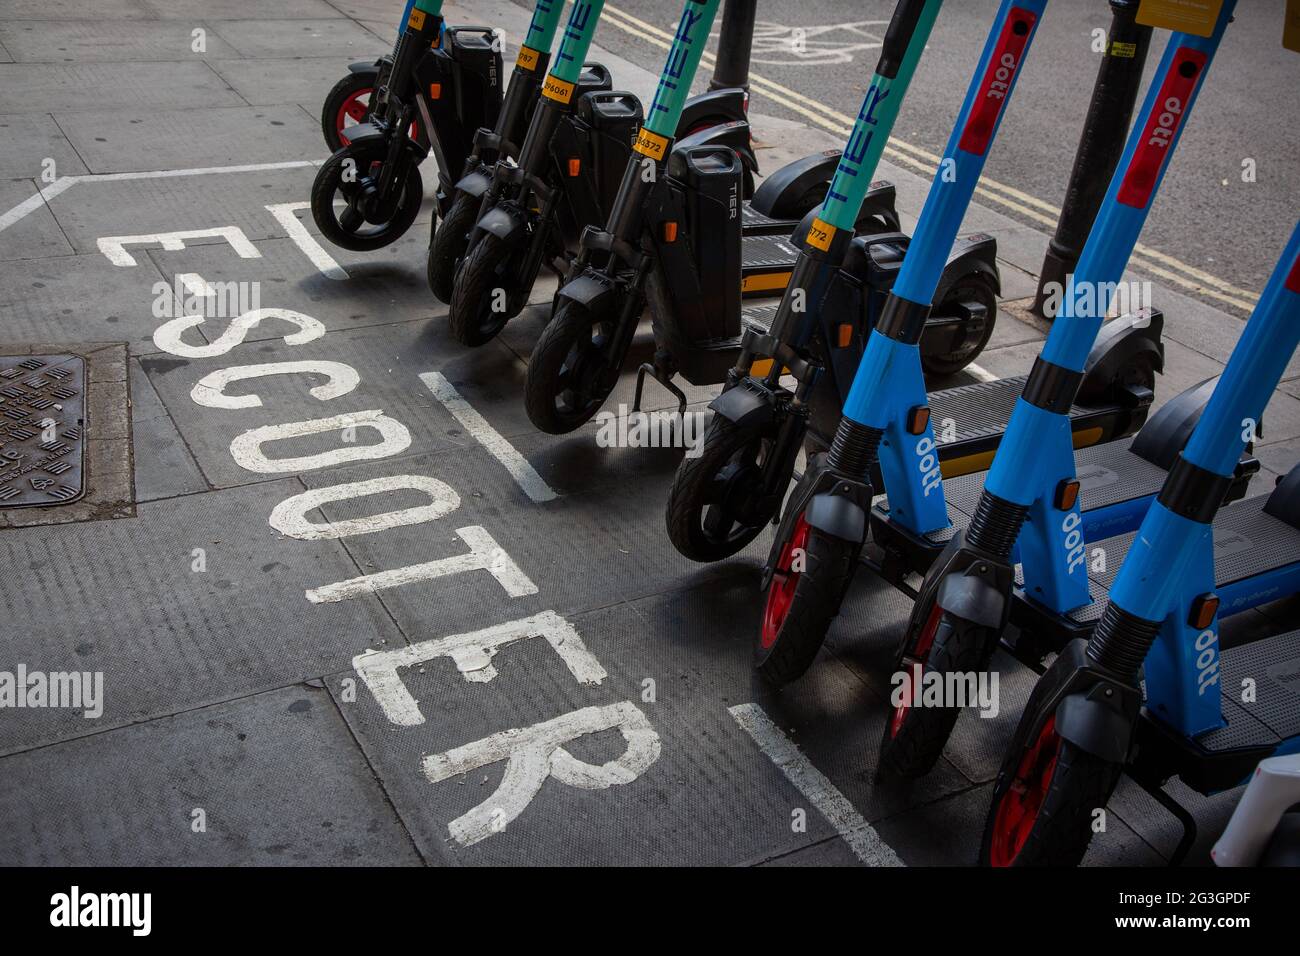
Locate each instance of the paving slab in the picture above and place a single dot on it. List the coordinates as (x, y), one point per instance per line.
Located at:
(87, 86)
(299, 37)
(164, 467)
(49, 300)
(28, 140)
(37, 235)
(134, 796)
(73, 10)
(124, 598)
(112, 141)
(241, 9)
(89, 40)
(266, 81)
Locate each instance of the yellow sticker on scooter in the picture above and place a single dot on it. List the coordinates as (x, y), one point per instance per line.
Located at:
(1291, 26)
(651, 144)
(527, 58)
(820, 235)
(1197, 17)
(557, 89)
(416, 21)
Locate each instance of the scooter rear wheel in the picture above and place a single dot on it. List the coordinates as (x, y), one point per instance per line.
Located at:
(448, 243)
(352, 173)
(1043, 803)
(950, 363)
(802, 604)
(914, 737)
(482, 297)
(570, 373)
(713, 510)
(349, 100)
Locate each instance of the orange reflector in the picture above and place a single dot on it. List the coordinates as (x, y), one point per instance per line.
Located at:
(1203, 610)
(845, 338)
(917, 418)
(670, 232)
(1067, 493)
(435, 91)
(575, 166)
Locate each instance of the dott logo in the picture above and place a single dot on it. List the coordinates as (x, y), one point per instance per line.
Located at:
(1162, 126)
(994, 89)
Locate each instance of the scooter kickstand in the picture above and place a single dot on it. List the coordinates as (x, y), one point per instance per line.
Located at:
(650, 369)
(1179, 812)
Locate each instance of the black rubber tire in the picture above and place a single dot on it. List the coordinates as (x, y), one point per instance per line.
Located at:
(694, 484)
(481, 273)
(329, 182)
(1081, 783)
(828, 570)
(958, 647)
(951, 363)
(448, 243)
(570, 325)
(341, 92)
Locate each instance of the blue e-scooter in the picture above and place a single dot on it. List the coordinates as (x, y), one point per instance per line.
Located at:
(1190, 564)
(1031, 511)
(888, 425)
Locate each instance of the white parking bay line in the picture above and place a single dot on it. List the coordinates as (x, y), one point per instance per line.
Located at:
(862, 839)
(500, 449)
(304, 240)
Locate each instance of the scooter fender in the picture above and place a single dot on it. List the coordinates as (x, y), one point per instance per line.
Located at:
(971, 255)
(837, 514)
(366, 66)
(1120, 344)
(744, 406)
(715, 106)
(973, 598)
(779, 194)
(829, 502)
(593, 292)
(967, 584)
(734, 134)
(501, 223)
(364, 133)
(475, 184)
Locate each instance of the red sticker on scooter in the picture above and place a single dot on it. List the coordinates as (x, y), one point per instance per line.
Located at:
(1161, 127)
(1008, 54)
(1293, 280)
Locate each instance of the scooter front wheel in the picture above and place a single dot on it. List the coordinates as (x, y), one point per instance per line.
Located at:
(346, 203)
(1044, 801)
(914, 737)
(811, 576)
(483, 299)
(715, 508)
(448, 243)
(570, 372)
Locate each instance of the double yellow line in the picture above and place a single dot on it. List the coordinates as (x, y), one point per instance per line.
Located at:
(1159, 264)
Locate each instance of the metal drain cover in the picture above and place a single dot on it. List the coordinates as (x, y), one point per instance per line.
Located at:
(42, 430)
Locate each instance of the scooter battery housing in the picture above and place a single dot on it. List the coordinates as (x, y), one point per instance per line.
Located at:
(612, 119)
(461, 80)
(696, 224)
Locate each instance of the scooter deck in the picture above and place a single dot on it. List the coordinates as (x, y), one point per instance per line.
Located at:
(755, 223)
(766, 263)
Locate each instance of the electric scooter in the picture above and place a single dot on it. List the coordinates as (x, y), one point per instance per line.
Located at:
(1265, 826)
(1152, 692)
(722, 499)
(681, 230)
(447, 78)
(888, 428)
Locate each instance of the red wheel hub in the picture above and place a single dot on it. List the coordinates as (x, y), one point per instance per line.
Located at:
(353, 108)
(785, 580)
(1019, 806)
(919, 654)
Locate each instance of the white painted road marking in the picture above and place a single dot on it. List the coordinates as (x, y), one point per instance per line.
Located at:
(500, 449)
(812, 783)
(115, 246)
(63, 183)
(284, 214)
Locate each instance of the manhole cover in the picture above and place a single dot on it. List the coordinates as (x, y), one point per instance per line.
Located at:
(42, 429)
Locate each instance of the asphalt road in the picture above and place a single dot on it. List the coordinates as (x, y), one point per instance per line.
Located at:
(1206, 216)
